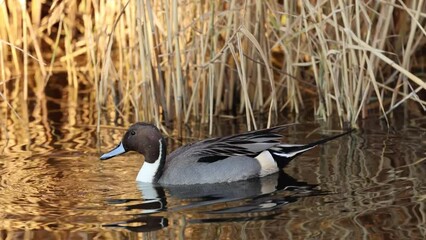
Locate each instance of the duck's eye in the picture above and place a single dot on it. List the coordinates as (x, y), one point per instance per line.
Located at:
(132, 132)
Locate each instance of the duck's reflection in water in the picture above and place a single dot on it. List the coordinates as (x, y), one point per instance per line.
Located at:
(261, 195)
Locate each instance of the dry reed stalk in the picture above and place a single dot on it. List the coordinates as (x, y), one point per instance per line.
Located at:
(180, 100)
(212, 69)
(273, 102)
(156, 61)
(243, 80)
(224, 56)
(54, 53)
(35, 42)
(3, 94)
(153, 87)
(11, 31)
(144, 61)
(25, 43)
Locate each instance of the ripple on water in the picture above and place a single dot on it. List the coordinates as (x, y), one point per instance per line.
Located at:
(368, 184)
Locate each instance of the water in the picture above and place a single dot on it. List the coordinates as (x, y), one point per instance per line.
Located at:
(53, 185)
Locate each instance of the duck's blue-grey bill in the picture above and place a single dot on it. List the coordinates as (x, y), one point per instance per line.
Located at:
(114, 152)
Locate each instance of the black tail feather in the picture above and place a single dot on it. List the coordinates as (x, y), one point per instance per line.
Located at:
(284, 153)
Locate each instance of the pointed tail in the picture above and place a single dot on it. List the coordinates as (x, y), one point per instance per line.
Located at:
(284, 153)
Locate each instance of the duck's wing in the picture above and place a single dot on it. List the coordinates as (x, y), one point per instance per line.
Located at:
(245, 144)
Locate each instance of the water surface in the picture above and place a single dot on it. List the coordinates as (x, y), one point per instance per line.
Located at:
(53, 185)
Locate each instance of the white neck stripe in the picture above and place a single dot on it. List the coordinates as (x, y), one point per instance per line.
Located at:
(148, 170)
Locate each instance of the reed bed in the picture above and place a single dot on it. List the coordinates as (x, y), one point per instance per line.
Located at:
(163, 61)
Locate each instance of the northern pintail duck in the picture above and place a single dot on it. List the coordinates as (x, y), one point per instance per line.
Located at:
(223, 159)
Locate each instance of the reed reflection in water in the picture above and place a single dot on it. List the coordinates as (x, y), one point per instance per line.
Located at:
(53, 186)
